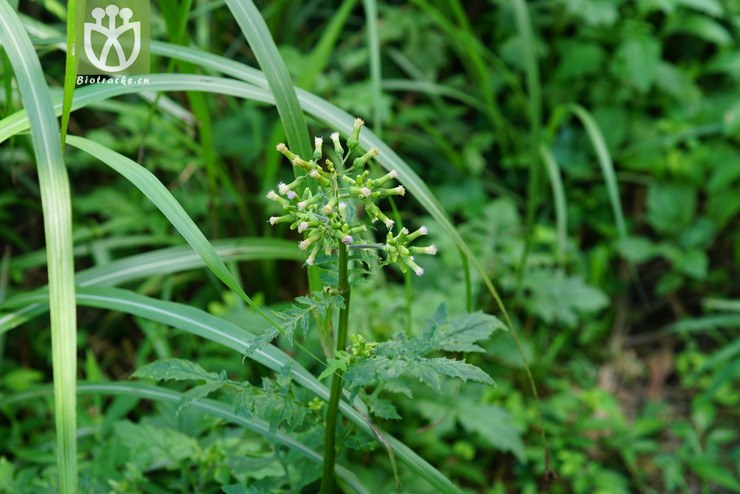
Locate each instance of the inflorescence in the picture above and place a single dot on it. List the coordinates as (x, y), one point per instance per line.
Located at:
(323, 216)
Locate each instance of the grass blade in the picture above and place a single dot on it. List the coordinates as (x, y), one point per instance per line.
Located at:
(211, 407)
(607, 170)
(276, 73)
(558, 195)
(159, 262)
(373, 42)
(56, 206)
(147, 183)
(318, 59)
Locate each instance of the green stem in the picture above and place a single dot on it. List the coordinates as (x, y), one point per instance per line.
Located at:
(330, 450)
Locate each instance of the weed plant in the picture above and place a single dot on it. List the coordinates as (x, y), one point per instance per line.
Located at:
(582, 155)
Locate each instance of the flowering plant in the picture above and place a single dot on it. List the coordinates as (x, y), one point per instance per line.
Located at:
(323, 214)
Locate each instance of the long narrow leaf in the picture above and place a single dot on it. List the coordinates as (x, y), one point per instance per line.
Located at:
(56, 206)
(276, 73)
(147, 183)
(373, 45)
(558, 195)
(158, 262)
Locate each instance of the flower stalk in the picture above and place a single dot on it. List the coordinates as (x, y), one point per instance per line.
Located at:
(330, 430)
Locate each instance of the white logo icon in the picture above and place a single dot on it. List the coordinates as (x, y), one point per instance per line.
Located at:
(112, 32)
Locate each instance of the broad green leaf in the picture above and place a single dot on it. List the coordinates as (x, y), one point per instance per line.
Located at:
(148, 443)
(493, 424)
(461, 333)
(490, 423)
(593, 12)
(670, 207)
(638, 56)
(558, 298)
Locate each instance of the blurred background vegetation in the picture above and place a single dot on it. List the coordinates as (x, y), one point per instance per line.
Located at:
(624, 287)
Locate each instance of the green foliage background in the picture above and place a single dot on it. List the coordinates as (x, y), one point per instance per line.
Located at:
(587, 151)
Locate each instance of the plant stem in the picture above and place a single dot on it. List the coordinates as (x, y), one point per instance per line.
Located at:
(330, 451)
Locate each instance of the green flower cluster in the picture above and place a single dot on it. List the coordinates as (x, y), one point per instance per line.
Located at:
(323, 217)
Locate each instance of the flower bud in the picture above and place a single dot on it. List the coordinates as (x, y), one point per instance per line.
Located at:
(274, 220)
(303, 227)
(421, 231)
(337, 145)
(354, 139)
(409, 261)
(317, 143)
(347, 240)
(430, 250)
(385, 178)
(362, 160)
(286, 152)
(274, 197)
(312, 256)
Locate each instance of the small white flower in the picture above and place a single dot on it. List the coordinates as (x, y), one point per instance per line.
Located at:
(347, 240)
(310, 260)
(389, 223)
(302, 205)
(292, 195)
(394, 173)
(303, 244)
(281, 147)
(273, 220)
(272, 196)
(365, 191)
(431, 250)
(282, 188)
(423, 230)
(405, 230)
(399, 190)
(318, 141)
(302, 227)
(334, 136)
(419, 271)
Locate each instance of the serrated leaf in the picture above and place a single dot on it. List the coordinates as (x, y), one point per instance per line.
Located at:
(374, 369)
(147, 444)
(261, 341)
(174, 369)
(453, 368)
(340, 362)
(558, 298)
(244, 403)
(461, 333)
(493, 425)
(381, 408)
(297, 318)
(197, 393)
